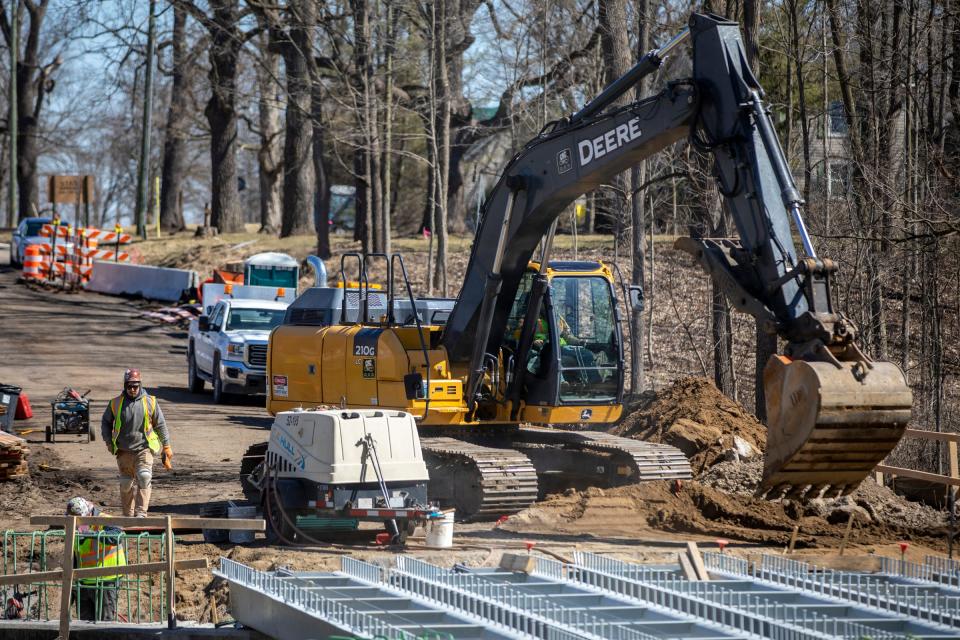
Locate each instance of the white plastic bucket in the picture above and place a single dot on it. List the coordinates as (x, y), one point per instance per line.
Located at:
(241, 537)
(440, 531)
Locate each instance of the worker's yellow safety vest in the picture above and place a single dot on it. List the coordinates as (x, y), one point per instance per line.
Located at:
(152, 440)
(94, 551)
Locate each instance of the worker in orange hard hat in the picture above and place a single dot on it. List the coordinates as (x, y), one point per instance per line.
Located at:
(135, 431)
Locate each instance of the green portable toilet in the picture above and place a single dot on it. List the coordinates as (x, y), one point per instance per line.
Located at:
(271, 269)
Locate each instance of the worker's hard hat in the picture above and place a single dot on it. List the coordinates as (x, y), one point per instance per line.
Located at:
(79, 507)
(131, 375)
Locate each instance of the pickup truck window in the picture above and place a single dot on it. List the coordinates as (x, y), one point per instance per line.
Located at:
(254, 319)
(217, 318)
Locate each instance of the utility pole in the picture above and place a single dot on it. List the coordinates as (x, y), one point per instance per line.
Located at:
(13, 216)
(143, 182)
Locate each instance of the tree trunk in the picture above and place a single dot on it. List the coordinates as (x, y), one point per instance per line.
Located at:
(268, 157)
(174, 169)
(721, 324)
(442, 131)
(32, 86)
(639, 221)
(320, 171)
(222, 116)
(615, 46)
(298, 178)
(798, 55)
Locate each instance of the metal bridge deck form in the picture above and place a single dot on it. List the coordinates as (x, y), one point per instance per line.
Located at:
(597, 597)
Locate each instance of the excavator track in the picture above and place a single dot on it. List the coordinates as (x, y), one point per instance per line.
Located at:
(480, 482)
(630, 460)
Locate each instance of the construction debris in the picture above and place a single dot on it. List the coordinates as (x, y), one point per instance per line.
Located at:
(13, 456)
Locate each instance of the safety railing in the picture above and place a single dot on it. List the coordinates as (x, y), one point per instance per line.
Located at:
(139, 598)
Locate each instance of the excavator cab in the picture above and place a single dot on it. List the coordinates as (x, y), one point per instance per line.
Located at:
(576, 357)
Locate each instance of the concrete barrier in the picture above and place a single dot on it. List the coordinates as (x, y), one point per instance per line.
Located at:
(154, 283)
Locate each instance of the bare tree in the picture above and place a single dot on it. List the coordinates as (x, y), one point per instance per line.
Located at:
(176, 132)
(226, 41)
(269, 161)
(34, 82)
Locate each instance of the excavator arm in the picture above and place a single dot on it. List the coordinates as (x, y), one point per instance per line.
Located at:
(833, 414)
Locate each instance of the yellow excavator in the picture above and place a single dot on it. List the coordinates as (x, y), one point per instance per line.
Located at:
(531, 343)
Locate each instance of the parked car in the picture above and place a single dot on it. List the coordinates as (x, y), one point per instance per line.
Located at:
(26, 233)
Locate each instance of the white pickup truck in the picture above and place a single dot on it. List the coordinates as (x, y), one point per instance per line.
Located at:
(228, 344)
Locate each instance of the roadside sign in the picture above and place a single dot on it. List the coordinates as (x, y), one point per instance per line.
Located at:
(70, 189)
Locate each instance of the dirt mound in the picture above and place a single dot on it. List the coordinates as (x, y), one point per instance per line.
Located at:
(692, 415)
(702, 509)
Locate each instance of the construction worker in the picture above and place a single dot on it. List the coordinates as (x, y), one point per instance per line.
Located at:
(96, 546)
(134, 430)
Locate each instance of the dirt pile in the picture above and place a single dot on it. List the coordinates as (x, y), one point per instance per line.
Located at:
(701, 509)
(692, 415)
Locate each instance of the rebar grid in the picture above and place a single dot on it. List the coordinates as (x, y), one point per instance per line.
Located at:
(141, 598)
(506, 605)
(923, 602)
(311, 602)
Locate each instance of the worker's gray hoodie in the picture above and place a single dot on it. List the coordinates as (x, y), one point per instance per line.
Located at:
(131, 436)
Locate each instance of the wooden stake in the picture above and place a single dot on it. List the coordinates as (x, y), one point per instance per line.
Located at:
(846, 534)
(214, 616)
(66, 587)
(793, 539)
(171, 569)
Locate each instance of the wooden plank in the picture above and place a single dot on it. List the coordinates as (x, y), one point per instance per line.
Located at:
(96, 572)
(952, 455)
(70, 528)
(240, 524)
(518, 562)
(919, 475)
(931, 435)
(693, 552)
(171, 577)
(687, 568)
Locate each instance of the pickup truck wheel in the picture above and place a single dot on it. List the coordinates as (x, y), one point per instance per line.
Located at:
(194, 381)
(219, 397)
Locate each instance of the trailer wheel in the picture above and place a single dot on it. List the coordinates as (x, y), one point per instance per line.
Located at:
(279, 531)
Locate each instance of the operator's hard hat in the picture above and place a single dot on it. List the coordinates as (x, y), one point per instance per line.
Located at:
(79, 507)
(131, 375)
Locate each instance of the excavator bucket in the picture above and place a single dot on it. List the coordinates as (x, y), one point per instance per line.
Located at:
(829, 426)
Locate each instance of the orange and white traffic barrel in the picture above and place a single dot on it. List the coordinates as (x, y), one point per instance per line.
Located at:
(34, 264)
